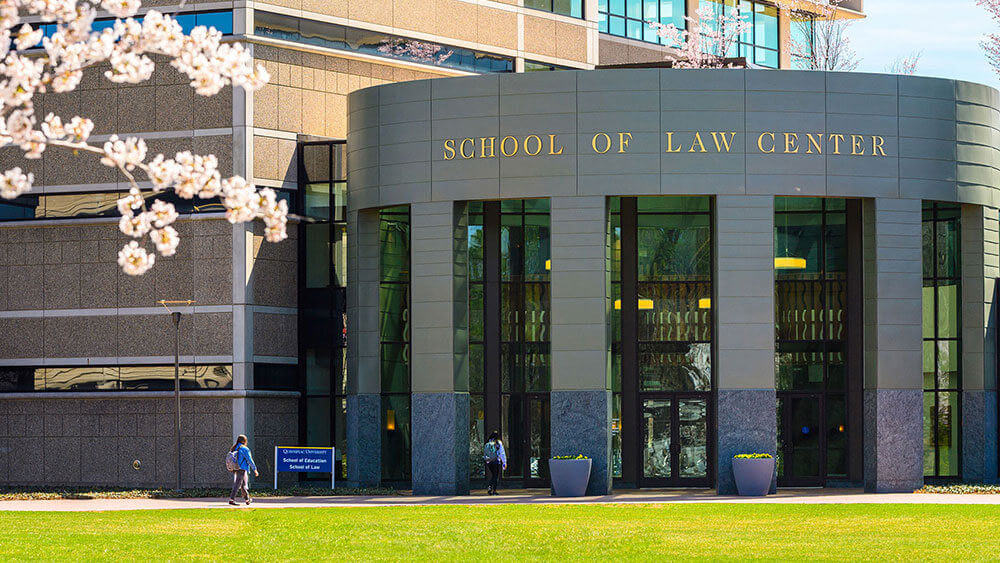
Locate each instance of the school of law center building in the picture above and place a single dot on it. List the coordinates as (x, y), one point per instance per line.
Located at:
(662, 268)
(730, 318)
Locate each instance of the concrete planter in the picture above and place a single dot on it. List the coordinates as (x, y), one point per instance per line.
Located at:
(569, 477)
(753, 475)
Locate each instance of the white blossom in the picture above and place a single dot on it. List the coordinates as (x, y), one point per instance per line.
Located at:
(163, 213)
(135, 226)
(128, 48)
(166, 240)
(14, 183)
(134, 259)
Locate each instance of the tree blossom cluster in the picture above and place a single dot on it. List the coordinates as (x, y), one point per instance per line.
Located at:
(709, 38)
(991, 44)
(417, 50)
(31, 63)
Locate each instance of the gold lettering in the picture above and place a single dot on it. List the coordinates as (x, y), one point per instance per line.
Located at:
(791, 143)
(623, 141)
(503, 145)
(607, 143)
(878, 145)
(814, 141)
(449, 149)
(760, 142)
(461, 148)
(728, 143)
(552, 144)
(482, 152)
(836, 142)
(670, 143)
(527, 150)
(856, 145)
(697, 141)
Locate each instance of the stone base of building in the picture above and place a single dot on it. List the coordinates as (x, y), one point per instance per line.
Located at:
(364, 439)
(580, 424)
(979, 436)
(440, 454)
(746, 423)
(66, 440)
(894, 440)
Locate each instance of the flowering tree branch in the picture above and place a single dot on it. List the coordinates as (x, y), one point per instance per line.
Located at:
(905, 65)
(819, 36)
(991, 44)
(709, 38)
(126, 47)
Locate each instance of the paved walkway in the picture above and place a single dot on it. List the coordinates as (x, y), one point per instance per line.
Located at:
(537, 496)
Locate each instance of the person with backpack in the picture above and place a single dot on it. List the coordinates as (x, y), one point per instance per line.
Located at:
(496, 461)
(240, 462)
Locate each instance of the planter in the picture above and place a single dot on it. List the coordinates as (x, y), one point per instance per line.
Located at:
(753, 476)
(569, 477)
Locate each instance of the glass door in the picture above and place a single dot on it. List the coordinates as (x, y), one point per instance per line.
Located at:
(801, 458)
(674, 441)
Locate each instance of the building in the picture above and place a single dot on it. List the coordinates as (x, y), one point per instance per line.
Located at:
(279, 346)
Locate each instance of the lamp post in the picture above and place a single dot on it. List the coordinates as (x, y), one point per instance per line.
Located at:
(176, 315)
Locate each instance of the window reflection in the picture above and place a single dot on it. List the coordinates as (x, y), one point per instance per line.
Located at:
(628, 18)
(114, 378)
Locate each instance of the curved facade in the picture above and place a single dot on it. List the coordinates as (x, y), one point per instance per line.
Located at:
(663, 268)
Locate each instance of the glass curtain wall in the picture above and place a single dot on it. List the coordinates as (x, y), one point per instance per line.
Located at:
(322, 303)
(811, 302)
(509, 344)
(661, 322)
(630, 18)
(394, 340)
(759, 43)
(942, 302)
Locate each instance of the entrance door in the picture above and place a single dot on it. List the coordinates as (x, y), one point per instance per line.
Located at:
(802, 453)
(673, 440)
(526, 438)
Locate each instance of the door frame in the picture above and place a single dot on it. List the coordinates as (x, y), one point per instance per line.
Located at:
(785, 426)
(675, 480)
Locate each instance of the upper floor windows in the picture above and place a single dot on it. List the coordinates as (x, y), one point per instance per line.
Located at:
(630, 18)
(573, 8)
(759, 44)
(341, 37)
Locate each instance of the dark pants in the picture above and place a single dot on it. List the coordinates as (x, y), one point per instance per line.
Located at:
(240, 482)
(494, 469)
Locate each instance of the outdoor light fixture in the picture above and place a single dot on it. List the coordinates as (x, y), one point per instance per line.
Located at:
(176, 316)
(644, 304)
(390, 420)
(548, 264)
(705, 303)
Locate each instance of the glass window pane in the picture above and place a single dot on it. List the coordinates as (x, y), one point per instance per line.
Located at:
(476, 312)
(616, 435)
(930, 451)
(929, 364)
(927, 310)
(799, 367)
(318, 421)
(656, 438)
(948, 364)
(394, 313)
(394, 238)
(318, 373)
(672, 204)
(512, 433)
(675, 366)
(82, 379)
(477, 436)
(395, 368)
(318, 252)
(674, 312)
(395, 437)
(948, 305)
(946, 265)
(477, 368)
(836, 432)
(674, 247)
(340, 438)
(947, 434)
(799, 309)
(316, 201)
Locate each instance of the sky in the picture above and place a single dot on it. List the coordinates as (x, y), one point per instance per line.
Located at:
(947, 31)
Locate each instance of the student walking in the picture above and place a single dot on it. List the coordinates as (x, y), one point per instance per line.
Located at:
(496, 461)
(243, 464)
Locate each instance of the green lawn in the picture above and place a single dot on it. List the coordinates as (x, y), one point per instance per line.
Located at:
(513, 532)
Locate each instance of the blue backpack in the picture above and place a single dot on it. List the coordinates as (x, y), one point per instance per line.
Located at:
(491, 452)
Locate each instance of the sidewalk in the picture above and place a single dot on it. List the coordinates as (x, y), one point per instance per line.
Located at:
(531, 496)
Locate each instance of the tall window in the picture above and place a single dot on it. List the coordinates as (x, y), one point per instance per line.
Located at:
(803, 40)
(630, 18)
(811, 302)
(572, 8)
(759, 44)
(942, 301)
(661, 322)
(510, 372)
(394, 340)
(322, 303)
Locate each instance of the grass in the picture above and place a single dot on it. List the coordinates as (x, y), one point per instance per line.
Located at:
(513, 532)
(55, 493)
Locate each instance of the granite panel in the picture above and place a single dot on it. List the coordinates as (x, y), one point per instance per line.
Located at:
(580, 423)
(979, 436)
(894, 441)
(747, 423)
(440, 458)
(364, 439)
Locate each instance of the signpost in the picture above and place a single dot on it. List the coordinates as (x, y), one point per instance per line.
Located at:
(302, 460)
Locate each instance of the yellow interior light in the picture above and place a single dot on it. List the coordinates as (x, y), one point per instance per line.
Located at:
(548, 264)
(644, 304)
(705, 303)
(789, 263)
(390, 420)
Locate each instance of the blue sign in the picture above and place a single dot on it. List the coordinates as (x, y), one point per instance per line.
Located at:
(318, 460)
